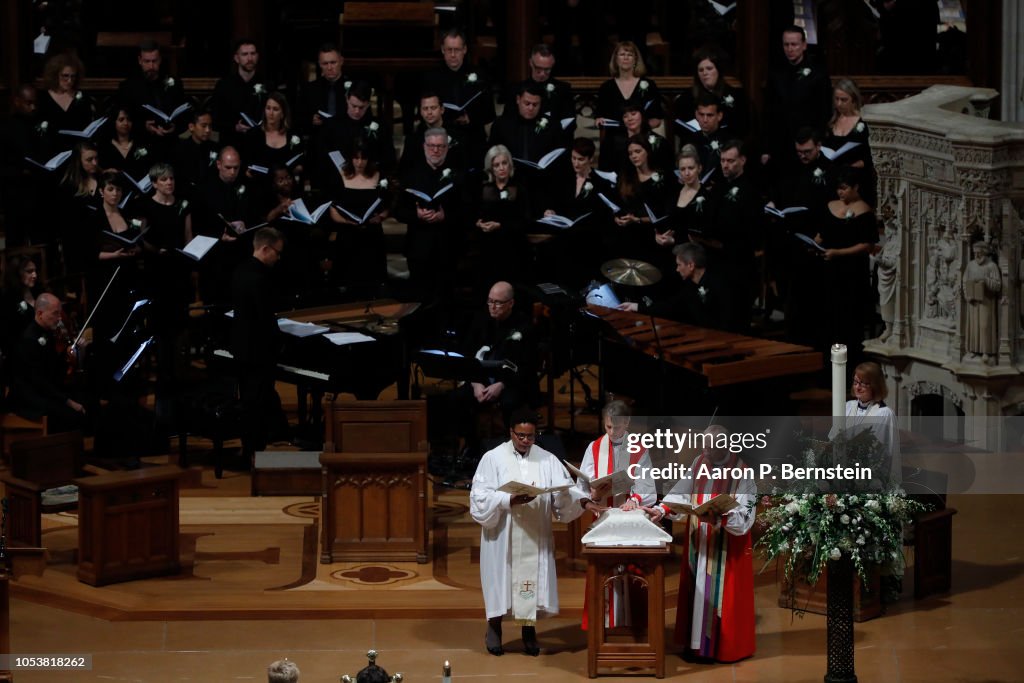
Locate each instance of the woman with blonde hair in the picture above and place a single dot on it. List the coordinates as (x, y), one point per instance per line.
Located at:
(628, 83)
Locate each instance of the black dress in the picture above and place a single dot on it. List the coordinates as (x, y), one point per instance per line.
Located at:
(859, 134)
(167, 273)
(848, 277)
(136, 163)
(610, 104)
(501, 252)
(360, 251)
(257, 152)
(77, 116)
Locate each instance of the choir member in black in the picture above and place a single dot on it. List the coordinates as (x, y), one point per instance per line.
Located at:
(628, 82)
(529, 135)
(456, 83)
(356, 121)
(223, 210)
(797, 94)
(61, 104)
(22, 285)
(431, 116)
(641, 186)
(39, 372)
(79, 200)
(168, 220)
(433, 241)
(195, 156)
(709, 137)
(846, 127)
(848, 233)
(273, 143)
(120, 149)
(614, 156)
(359, 251)
(325, 97)
(502, 213)
(239, 93)
(308, 263)
(709, 81)
(703, 300)
(574, 253)
(19, 138)
(256, 342)
(557, 98)
(150, 85)
(735, 222)
(795, 270)
(689, 213)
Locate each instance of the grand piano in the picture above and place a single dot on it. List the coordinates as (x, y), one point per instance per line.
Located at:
(670, 368)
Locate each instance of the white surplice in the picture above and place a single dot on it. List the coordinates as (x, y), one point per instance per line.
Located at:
(492, 509)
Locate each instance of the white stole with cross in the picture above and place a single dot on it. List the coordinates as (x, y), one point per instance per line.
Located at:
(526, 529)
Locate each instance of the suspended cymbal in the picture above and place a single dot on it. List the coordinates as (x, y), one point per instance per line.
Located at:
(628, 271)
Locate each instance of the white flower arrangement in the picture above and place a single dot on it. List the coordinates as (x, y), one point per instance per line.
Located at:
(652, 140)
(42, 341)
(446, 174)
(169, 83)
(136, 223)
(23, 306)
(295, 140)
(78, 96)
(549, 88)
(382, 184)
(140, 152)
(819, 176)
(258, 88)
(728, 100)
(644, 85)
(542, 124)
(516, 336)
(472, 77)
(374, 126)
(588, 186)
(859, 127)
(503, 194)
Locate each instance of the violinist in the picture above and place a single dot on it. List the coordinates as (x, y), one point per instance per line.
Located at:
(40, 372)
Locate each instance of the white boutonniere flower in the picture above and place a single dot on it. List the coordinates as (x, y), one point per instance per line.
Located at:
(446, 174)
(805, 72)
(516, 336)
(549, 88)
(23, 306)
(78, 96)
(503, 194)
(733, 194)
(656, 178)
(859, 127)
(703, 293)
(819, 176)
(169, 83)
(258, 88)
(213, 157)
(240, 191)
(644, 85)
(374, 126)
(136, 223)
(348, 85)
(140, 152)
(700, 204)
(542, 124)
(382, 184)
(471, 78)
(849, 214)
(652, 140)
(42, 341)
(43, 126)
(728, 100)
(715, 145)
(450, 141)
(295, 140)
(587, 187)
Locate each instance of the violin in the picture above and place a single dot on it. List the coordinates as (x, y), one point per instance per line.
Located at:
(67, 344)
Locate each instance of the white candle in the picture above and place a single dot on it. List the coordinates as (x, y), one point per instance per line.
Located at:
(839, 385)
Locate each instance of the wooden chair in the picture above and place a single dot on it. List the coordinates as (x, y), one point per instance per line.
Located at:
(38, 464)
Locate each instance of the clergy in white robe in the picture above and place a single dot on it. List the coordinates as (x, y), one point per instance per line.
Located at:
(868, 410)
(517, 548)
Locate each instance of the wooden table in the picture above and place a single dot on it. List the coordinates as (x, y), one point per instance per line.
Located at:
(607, 562)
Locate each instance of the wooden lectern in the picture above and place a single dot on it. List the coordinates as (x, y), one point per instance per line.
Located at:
(608, 647)
(128, 525)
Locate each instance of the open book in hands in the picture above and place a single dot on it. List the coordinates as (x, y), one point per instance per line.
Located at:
(620, 480)
(518, 488)
(719, 505)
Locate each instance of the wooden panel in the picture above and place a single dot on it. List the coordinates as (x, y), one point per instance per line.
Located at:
(375, 426)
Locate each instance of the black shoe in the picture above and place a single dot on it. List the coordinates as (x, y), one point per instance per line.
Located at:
(530, 644)
(492, 639)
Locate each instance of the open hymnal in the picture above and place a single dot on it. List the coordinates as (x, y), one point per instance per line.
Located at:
(291, 162)
(324, 115)
(611, 176)
(620, 480)
(41, 43)
(247, 120)
(298, 212)
(359, 220)
(566, 122)
(654, 219)
(297, 329)
(86, 132)
(337, 158)
(610, 123)
(256, 168)
(690, 125)
(233, 229)
(459, 108)
(615, 208)
(561, 221)
(833, 154)
(719, 505)
(782, 213)
(198, 247)
(518, 488)
(721, 7)
(126, 241)
(164, 116)
(808, 240)
(144, 184)
(544, 161)
(53, 164)
(426, 197)
(346, 338)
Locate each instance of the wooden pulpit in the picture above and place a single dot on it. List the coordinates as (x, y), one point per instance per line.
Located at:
(128, 525)
(639, 645)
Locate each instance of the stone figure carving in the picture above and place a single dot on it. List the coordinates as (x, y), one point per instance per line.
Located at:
(982, 284)
(888, 260)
